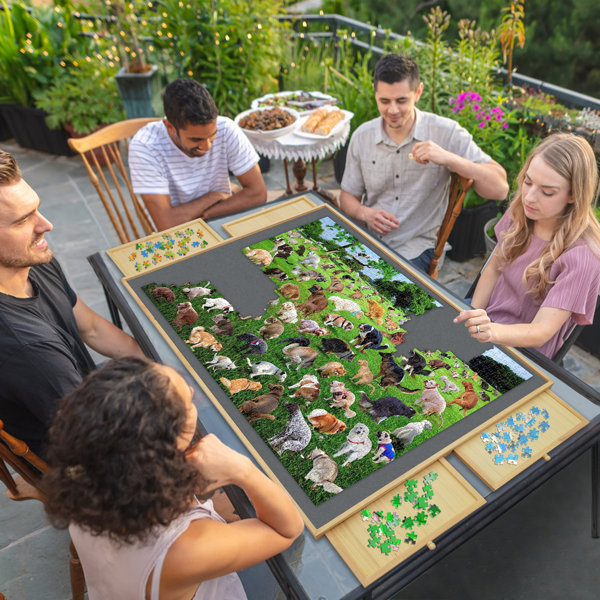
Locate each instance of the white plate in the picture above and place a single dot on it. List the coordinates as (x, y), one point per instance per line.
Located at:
(259, 134)
(316, 95)
(313, 136)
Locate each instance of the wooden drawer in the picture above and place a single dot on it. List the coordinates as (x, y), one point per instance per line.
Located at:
(365, 551)
(269, 216)
(491, 464)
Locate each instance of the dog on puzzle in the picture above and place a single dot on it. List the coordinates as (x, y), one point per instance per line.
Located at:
(296, 433)
(432, 400)
(409, 432)
(357, 445)
(385, 450)
(323, 472)
(342, 398)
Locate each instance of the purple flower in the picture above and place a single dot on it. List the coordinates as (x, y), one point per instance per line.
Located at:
(455, 108)
(451, 101)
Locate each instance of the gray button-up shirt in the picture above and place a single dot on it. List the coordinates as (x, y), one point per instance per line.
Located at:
(416, 194)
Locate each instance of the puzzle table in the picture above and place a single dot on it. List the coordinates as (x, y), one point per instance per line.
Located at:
(415, 520)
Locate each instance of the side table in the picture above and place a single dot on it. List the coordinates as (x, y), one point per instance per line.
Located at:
(301, 150)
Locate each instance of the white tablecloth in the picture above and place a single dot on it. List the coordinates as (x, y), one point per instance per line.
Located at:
(294, 147)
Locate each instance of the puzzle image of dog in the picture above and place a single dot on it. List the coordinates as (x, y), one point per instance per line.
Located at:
(357, 445)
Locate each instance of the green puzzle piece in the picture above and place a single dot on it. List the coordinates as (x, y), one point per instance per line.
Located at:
(434, 510)
(408, 523)
(422, 502)
(421, 518)
(396, 501)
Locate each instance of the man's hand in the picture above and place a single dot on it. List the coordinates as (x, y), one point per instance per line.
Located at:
(424, 152)
(379, 220)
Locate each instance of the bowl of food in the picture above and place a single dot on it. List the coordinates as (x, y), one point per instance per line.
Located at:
(268, 122)
(301, 101)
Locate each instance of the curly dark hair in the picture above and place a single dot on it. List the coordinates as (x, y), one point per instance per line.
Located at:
(187, 102)
(9, 171)
(115, 467)
(393, 68)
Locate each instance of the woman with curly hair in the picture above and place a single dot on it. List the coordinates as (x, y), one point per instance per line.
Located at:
(125, 470)
(544, 274)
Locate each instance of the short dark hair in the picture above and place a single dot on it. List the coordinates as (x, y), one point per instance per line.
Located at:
(187, 102)
(9, 171)
(115, 465)
(393, 68)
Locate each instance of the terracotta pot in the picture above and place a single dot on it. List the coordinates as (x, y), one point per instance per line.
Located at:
(97, 152)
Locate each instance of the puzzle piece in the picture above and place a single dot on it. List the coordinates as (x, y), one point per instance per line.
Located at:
(421, 518)
(365, 514)
(512, 459)
(396, 500)
(410, 497)
(535, 410)
(411, 484)
(534, 434)
(544, 426)
(430, 478)
(527, 452)
(411, 538)
(434, 510)
(408, 523)
(422, 502)
(510, 422)
(372, 543)
(385, 548)
(485, 436)
(498, 459)
(545, 414)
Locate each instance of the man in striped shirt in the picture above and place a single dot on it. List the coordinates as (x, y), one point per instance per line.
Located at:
(180, 165)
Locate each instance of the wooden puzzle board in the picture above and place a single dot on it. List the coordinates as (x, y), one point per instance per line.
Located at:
(454, 497)
(163, 247)
(563, 422)
(269, 216)
(225, 265)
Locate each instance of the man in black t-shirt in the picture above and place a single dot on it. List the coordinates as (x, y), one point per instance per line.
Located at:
(44, 326)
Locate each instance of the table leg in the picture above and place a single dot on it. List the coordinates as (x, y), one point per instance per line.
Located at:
(595, 490)
(288, 189)
(326, 195)
(299, 171)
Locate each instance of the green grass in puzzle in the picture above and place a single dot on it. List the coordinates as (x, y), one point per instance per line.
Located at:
(399, 299)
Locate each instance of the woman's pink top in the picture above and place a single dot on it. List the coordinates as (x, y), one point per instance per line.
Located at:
(576, 277)
(121, 571)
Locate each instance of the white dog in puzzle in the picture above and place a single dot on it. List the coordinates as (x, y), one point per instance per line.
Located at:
(357, 446)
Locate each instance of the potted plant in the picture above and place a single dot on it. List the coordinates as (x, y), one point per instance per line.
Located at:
(33, 43)
(82, 98)
(138, 82)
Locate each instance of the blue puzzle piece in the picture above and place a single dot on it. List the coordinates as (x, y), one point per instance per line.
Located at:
(490, 447)
(502, 448)
(530, 423)
(485, 435)
(512, 459)
(544, 426)
(527, 452)
(545, 414)
(510, 422)
(520, 416)
(523, 440)
(535, 410)
(534, 434)
(498, 459)
(506, 436)
(519, 428)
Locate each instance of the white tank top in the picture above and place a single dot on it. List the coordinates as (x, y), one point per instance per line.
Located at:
(120, 571)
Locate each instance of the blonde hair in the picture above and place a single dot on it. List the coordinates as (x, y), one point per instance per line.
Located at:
(572, 158)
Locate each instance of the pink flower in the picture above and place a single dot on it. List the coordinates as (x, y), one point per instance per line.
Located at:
(482, 124)
(455, 108)
(451, 101)
(498, 117)
(475, 106)
(461, 97)
(487, 117)
(505, 126)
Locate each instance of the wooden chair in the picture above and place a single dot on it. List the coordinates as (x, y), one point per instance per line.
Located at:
(15, 453)
(104, 154)
(459, 186)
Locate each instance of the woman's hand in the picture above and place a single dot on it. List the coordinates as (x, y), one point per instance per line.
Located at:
(478, 323)
(218, 463)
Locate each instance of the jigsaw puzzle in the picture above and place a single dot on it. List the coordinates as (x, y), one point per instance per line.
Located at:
(344, 366)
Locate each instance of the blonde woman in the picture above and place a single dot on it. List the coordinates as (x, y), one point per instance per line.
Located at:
(544, 275)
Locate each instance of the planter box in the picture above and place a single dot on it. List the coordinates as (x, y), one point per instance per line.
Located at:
(466, 237)
(4, 130)
(28, 126)
(140, 93)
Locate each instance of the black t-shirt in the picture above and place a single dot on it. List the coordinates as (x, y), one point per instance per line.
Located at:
(42, 355)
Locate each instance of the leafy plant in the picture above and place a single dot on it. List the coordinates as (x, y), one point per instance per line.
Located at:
(433, 58)
(512, 31)
(234, 48)
(84, 94)
(33, 43)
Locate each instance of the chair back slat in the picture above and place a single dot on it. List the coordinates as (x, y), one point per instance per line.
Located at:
(104, 155)
(459, 186)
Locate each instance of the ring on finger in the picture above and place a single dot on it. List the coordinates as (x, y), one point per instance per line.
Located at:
(478, 329)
